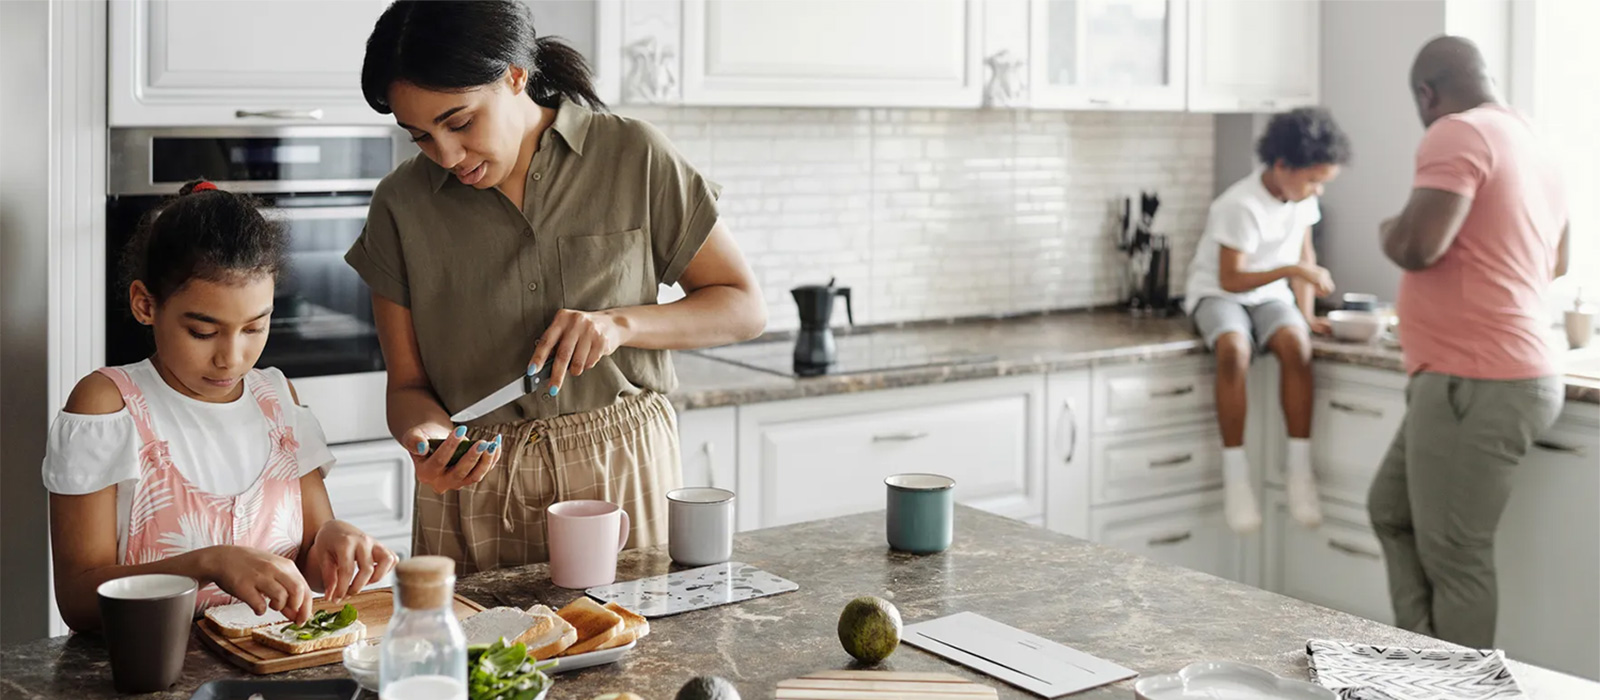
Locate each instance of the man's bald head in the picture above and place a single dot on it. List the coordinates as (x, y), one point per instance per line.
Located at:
(1449, 76)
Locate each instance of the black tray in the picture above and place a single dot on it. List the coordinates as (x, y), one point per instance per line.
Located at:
(331, 689)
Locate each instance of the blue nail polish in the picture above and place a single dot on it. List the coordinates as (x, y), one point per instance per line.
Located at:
(461, 431)
(481, 447)
(494, 446)
(422, 448)
(533, 369)
(555, 390)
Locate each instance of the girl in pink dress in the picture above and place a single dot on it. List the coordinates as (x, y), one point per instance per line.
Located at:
(193, 462)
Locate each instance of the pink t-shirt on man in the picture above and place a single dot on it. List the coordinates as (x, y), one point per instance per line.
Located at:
(1478, 311)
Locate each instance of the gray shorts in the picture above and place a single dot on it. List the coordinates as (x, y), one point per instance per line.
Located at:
(1216, 316)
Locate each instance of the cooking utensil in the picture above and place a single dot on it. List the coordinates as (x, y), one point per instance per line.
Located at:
(518, 388)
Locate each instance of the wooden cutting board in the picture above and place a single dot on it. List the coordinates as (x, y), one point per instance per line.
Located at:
(374, 607)
(882, 685)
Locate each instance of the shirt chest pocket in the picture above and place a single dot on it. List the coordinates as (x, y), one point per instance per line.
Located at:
(605, 271)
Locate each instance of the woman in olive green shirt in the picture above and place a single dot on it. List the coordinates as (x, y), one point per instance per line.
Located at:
(534, 231)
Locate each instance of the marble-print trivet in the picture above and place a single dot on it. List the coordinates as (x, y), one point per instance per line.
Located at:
(1365, 672)
(693, 589)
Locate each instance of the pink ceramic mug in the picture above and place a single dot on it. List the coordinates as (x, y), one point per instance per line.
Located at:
(585, 538)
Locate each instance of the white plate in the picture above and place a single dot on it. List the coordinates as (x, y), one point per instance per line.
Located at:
(1226, 680)
(587, 660)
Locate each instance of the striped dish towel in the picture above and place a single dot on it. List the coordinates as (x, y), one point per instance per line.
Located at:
(1365, 672)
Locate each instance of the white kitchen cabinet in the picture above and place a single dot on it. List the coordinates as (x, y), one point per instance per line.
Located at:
(1189, 531)
(1253, 55)
(1108, 54)
(708, 438)
(1134, 466)
(1547, 551)
(371, 486)
(254, 62)
(833, 53)
(1338, 565)
(1069, 452)
(809, 459)
(1355, 418)
(1156, 394)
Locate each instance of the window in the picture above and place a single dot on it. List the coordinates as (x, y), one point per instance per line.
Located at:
(1565, 102)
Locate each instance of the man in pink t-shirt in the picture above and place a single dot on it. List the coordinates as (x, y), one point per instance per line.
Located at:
(1481, 237)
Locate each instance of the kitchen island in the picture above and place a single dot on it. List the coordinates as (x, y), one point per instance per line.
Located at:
(1150, 617)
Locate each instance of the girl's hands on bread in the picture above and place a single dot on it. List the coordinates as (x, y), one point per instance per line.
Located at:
(347, 559)
(262, 580)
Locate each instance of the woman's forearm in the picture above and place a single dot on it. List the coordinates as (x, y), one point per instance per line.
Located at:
(708, 316)
(410, 407)
(78, 599)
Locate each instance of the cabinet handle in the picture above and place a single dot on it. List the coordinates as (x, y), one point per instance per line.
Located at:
(1354, 409)
(1070, 417)
(1098, 102)
(898, 437)
(1352, 550)
(1171, 461)
(313, 114)
(711, 463)
(1173, 393)
(1169, 540)
(1549, 446)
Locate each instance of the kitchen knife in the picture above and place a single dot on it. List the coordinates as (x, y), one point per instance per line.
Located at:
(518, 388)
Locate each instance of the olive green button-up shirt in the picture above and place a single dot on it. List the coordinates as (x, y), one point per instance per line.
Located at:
(611, 210)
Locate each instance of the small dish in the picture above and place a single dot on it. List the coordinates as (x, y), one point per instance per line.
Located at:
(1355, 326)
(591, 659)
(361, 660)
(1229, 680)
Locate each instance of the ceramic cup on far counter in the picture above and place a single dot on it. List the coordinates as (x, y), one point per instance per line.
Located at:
(1580, 327)
(921, 512)
(700, 526)
(585, 538)
(145, 620)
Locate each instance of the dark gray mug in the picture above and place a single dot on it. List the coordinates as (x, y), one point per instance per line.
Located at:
(921, 512)
(145, 620)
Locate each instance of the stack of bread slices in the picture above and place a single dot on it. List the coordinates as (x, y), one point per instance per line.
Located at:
(580, 627)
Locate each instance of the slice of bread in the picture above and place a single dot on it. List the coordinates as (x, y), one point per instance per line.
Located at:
(635, 627)
(236, 620)
(283, 639)
(596, 625)
(511, 624)
(559, 634)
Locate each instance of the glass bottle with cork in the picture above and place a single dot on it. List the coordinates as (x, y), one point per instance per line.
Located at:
(424, 655)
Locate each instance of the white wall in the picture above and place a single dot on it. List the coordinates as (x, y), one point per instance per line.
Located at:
(1367, 50)
(941, 213)
(24, 229)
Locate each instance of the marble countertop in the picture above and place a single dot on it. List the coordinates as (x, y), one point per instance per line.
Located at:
(1150, 617)
(1022, 345)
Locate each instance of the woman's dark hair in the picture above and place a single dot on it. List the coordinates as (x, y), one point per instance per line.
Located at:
(1302, 138)
(457, 46)
(207, 234)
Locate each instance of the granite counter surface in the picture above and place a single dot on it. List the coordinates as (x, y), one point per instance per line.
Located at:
(1019, 346)
(1147, 616)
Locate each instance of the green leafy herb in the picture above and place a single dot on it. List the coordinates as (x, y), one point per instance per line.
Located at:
(323, 623)
(501, 671)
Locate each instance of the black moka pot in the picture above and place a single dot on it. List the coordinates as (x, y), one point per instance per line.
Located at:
(814, 349)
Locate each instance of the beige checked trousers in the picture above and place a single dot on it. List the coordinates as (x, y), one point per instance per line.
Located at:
(626, 453)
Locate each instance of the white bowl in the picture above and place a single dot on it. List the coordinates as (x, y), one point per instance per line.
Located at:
(361, 660)
(1355, 326)
(1229, 680)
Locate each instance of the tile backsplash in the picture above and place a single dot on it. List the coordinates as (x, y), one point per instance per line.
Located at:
(943, 213)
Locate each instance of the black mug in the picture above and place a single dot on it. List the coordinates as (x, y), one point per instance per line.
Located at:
(145, 620)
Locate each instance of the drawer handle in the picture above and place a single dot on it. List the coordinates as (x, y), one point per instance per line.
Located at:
(1354, 409)
(1099, 102)
(1354, 551)
(1173, 393)
(1070, 417)
(1171, 461)
(1169, 540)
(1549, 446)
(711, 463)
(898, 437)
(313, 114)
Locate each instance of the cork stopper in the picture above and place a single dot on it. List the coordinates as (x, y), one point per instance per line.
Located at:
(425, 582)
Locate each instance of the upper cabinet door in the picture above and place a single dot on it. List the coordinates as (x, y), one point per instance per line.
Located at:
(1254, 55)
(1108, 54)
(841, 53)
(226, 62)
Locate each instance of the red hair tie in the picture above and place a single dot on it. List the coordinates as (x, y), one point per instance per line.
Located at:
(202, 186)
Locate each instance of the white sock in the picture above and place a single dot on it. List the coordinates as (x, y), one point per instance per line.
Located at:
(1244, 516)
(1301, 481)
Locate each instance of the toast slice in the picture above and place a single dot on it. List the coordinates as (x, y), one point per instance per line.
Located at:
(283, 639)
(513, 625)
(559, 634)
(635, 627)
(596, 625)
(237, 620)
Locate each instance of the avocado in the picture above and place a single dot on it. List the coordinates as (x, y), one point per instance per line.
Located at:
(708, 688)
(461, 449)
(869, 629)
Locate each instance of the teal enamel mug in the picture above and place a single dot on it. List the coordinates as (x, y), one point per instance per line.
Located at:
(921, 512)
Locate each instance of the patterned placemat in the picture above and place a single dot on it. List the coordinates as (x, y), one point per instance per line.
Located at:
(693, 589)
(1365, 672)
